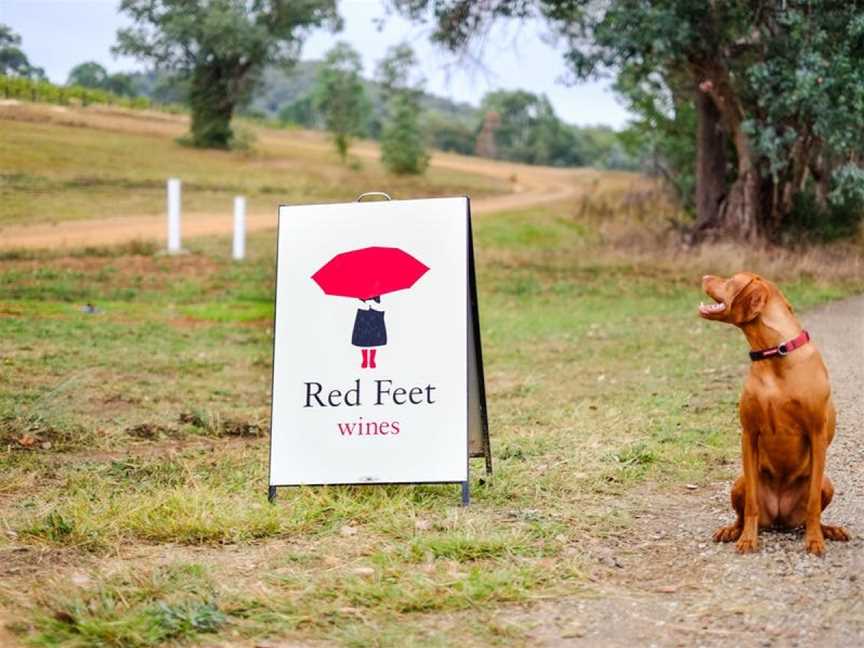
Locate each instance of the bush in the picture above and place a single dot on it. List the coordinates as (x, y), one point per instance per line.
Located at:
(812, 222)
(403, 149)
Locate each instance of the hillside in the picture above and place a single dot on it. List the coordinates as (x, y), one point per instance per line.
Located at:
(280, 88)
(59, 163)
(105, 168)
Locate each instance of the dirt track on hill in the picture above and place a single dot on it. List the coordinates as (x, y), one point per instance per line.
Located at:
(665, 583)
(536, 186)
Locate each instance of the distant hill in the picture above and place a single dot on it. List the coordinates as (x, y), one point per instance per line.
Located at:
(280, 88)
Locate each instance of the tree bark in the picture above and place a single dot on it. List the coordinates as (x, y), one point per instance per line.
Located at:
(742, 212)
(820, 169)
(739, 214)
(710, 162)
(212, 102)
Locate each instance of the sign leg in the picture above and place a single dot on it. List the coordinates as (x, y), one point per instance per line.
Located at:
(271, 494)
(466, 494)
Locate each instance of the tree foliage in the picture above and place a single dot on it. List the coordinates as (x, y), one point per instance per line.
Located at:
(94, 75)
(13, 60)
(403, 145)
(529, 131)
(403, 142)
(776, 88)
(221, 47)
(340, 96)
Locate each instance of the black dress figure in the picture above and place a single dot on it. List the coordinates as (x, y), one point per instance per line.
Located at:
(369, 331)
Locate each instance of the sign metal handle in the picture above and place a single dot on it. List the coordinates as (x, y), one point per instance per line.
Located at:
(369, 194)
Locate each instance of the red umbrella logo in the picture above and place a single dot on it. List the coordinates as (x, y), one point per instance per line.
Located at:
(366, 274)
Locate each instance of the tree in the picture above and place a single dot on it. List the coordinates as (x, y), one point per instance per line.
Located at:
(89, 75)
(529, 130)
(775, 83)
(450, 134)
(403, 142)
(340, 96)
(121, 84)
(301, 112)
(220, 47)
(13, 60)
(403, 145)
(94, 75)
(662, 136)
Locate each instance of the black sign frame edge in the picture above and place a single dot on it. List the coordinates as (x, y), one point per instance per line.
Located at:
(481, 381)
(478, 348)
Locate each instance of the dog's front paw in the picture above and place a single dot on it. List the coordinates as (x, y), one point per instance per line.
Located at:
(728, 533)
(746, 544)
(836, 533)
(815, 545)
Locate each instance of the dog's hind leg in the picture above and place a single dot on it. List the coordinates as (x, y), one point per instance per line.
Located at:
(836, 533)
(732, 532)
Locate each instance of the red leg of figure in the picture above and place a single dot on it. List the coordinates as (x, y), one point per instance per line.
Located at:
(372, 357)
(365, 353)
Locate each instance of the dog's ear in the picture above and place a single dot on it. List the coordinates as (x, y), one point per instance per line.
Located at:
(750, 301)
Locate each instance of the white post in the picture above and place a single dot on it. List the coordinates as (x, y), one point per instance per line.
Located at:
(174, 215)
(239, 251)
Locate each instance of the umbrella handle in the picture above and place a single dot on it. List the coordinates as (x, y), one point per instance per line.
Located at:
(372, 193)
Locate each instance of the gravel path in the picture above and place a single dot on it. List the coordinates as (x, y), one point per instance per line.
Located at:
(668, 584)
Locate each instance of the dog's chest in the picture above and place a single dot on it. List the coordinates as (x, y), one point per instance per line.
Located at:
(777, 409)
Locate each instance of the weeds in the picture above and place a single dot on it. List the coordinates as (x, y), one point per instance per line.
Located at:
(132, 611)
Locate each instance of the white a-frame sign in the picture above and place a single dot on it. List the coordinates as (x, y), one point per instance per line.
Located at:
(377, 363)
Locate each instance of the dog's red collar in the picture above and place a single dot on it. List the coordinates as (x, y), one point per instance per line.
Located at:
(787, 347)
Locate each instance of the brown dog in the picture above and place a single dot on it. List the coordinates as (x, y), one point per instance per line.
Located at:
(787, 417)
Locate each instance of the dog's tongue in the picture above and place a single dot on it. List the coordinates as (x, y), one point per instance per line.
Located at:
(710, 309)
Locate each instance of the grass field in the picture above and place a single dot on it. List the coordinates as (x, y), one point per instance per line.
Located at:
(58, 164)
(133, 447)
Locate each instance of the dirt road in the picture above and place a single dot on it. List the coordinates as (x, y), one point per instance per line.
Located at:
(665, 583)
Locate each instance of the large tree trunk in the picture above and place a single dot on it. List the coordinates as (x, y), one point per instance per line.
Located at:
(820, 169)
(741, 212)
(212, 102)
(710, 163)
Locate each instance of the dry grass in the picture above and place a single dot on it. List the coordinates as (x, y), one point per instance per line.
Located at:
(637, 219)
(59, 163)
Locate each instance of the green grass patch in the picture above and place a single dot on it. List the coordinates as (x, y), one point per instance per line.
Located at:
(134, 610)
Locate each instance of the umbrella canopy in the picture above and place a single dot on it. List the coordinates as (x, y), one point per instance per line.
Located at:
(369, 272)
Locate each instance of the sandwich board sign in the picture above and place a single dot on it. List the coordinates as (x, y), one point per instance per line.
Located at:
(377, 362)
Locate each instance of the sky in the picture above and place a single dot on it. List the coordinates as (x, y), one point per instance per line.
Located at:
(58, 34)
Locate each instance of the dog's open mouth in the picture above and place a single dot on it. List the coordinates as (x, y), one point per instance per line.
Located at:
(711, 309)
